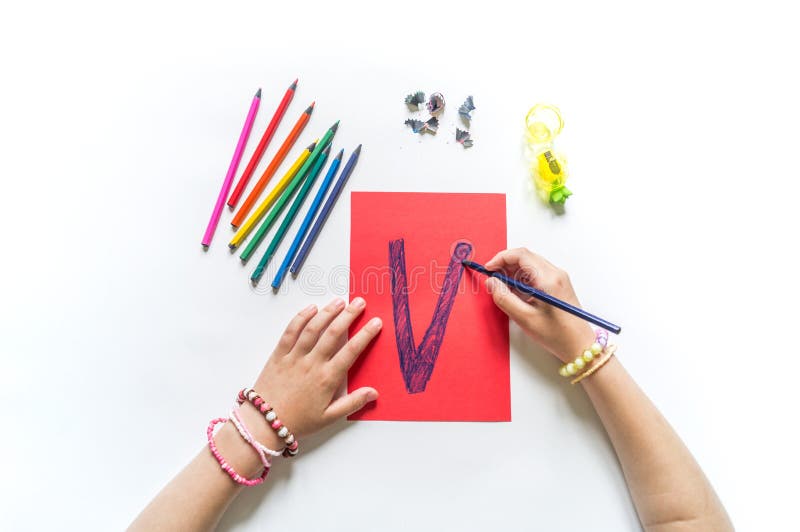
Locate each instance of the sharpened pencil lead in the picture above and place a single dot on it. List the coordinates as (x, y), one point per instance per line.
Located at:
(358, 150)
(340, 155)
(258, 93)
(309, 109)
(311, 146)
(335, 126)
(293, 86)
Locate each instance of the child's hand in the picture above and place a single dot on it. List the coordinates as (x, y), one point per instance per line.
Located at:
(307, 368)
(562, 334)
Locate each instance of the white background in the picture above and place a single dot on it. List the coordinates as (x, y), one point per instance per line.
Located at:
(120, 338)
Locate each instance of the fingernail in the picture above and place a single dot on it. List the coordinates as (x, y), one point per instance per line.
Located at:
(336, 303)
(375, 323)
(311, 308)
(371, 395)
(358, 302)
(490, 285)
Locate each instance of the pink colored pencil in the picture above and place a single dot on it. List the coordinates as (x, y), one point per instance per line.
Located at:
(237, 156)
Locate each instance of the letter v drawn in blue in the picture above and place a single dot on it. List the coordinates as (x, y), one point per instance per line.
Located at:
(416, 363)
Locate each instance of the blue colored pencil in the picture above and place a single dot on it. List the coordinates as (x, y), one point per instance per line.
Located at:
(326, 211)
(543, 296)
(301, 233)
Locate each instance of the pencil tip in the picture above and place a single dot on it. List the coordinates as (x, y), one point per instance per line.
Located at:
(340, 154)
(293, 86)
(258, 93)
(310, 108)
(311, 146)
(358, 150)
(232, 246)
(205, 247)
(335, 126)
(327, 151)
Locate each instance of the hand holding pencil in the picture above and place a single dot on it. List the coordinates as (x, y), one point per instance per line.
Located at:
(564, 335)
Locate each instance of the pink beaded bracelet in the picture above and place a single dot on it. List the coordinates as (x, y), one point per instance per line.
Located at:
(224, 464)
(262, 450)
(248, 394)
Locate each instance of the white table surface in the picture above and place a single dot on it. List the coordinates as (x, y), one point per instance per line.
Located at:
(120, 338)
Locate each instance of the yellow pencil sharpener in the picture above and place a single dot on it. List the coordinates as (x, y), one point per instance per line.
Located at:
(543, 124)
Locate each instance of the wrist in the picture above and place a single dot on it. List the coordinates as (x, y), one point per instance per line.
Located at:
(576, 342)
(259, 427)
(237, 451)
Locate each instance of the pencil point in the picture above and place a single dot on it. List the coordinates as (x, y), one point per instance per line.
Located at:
(234, 227)
(335, 126)
(310, 108)
(340, 154)
(312, 146)
(258, 94)
(293, 86)
(205, 247)
(327, 151)
(358, 150)
(232, 247)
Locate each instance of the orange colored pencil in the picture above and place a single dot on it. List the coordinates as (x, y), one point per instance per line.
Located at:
(252, 198)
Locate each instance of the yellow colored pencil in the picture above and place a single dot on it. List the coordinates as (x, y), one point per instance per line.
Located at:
(262, 209)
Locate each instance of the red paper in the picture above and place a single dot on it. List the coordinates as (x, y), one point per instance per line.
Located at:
(470, 377)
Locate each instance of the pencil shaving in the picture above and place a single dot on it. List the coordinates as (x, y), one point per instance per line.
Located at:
(466, 109)
(414, 100)
(463, 138)
(436, 103)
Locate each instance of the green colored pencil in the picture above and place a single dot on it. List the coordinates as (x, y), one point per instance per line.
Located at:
(288, 193)
(291, 213)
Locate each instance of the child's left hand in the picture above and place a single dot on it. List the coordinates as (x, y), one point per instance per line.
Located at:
(308, 366)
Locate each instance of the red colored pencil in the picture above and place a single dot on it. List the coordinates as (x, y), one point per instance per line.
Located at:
(241, 214)
(262, 145)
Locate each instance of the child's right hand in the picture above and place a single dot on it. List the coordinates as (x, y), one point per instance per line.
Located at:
(563, 334)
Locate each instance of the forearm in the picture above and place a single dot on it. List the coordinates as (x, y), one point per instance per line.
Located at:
(668, 487)
(198, 496)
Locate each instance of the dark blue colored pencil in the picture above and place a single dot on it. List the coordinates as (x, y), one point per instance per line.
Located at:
(326, 211)
(543, 296)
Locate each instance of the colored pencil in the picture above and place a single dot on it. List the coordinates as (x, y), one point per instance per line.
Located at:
(264, 206)
(312, 211)
(290, 214)
(277, 209)
(543, 296)
(261, 184)
(262, 145)
(237, 156)
(326, 211)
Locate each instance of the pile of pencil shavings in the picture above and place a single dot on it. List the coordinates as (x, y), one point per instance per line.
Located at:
(435, 107)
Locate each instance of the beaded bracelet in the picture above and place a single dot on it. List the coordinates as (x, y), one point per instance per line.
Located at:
(597, 365)
(262, 450)
(224, 464)
(248, 394)
(574, 367)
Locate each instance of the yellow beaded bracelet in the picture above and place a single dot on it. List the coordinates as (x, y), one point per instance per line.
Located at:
(573, 368)
(610, 350)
